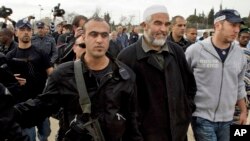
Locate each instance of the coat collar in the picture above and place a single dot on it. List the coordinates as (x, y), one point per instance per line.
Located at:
(140, 53)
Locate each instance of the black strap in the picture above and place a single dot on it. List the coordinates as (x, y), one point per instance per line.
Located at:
(81, 86)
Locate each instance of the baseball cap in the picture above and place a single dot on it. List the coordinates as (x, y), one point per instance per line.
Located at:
(230, 15)
(40, 24)
(23, 23)
(153, 10)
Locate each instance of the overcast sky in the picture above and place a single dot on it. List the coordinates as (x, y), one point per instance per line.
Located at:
(119, 8)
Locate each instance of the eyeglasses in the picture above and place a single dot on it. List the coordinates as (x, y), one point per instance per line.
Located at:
(81, 45)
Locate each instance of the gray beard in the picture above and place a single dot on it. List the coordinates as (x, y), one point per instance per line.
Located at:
(154, 42)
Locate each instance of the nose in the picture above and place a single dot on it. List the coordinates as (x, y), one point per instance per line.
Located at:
(164, 28)
(99, 38)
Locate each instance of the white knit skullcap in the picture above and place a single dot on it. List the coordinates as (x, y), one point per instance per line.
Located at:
(153, 10)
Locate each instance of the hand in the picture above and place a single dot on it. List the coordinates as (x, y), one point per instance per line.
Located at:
(78, 32)
(21, 81)
(243, 118)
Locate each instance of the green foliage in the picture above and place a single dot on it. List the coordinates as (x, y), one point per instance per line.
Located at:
(246, 21)
(210, 18)
(107, 18)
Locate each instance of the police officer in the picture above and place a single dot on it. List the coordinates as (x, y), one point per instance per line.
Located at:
(45, 42)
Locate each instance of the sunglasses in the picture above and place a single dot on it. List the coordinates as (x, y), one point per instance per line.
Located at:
(81, 45)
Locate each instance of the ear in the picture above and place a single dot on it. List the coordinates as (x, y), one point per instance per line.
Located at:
(144, 26)
(217, 25)
(15, 31)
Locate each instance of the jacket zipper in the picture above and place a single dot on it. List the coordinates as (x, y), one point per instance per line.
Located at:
(222, 74)
(119, 116)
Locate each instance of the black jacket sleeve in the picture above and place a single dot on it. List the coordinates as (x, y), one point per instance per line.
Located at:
(33, 111)
(132, 133)
(9, 128)
(187, 74)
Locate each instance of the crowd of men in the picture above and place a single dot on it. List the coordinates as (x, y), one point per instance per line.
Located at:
(113, 86)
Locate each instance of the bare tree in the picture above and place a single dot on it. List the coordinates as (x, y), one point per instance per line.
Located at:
(70, 16)
(97, 12)
(123, 20)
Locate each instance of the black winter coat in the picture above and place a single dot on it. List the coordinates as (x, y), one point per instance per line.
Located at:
(165, 97)
(113, 95)
(9, 129)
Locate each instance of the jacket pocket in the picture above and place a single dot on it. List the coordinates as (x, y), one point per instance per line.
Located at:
(115, 125)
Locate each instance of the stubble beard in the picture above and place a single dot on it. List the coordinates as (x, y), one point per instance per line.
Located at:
(25, 39)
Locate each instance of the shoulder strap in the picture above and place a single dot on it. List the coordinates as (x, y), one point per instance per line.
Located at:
(81, 86)
(94, 130)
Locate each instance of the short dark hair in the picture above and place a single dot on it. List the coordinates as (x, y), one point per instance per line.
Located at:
(173, 21)
(244, 30)
(7, 32)
(68, 26)
(77, 19)
(95, 18)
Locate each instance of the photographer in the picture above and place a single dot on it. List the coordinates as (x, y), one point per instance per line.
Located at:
(57, 11)
(67, 53)
(67, 34)
(5, 13)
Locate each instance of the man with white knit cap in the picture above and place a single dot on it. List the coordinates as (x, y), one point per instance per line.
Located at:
(165, 84)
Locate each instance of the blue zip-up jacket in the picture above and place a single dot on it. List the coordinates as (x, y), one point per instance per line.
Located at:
(219, 85)
(47, 44)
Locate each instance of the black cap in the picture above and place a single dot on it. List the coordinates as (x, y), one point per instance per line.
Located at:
(230, 15)
(40, 24)
(23, 23)
(244, 30)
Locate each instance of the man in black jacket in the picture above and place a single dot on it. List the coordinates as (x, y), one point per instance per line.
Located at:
(165, 84)
(110, 85)
(178, 26)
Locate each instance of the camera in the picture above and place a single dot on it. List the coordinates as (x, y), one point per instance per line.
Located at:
(5, 12)
(32, 17)
(57, 11)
